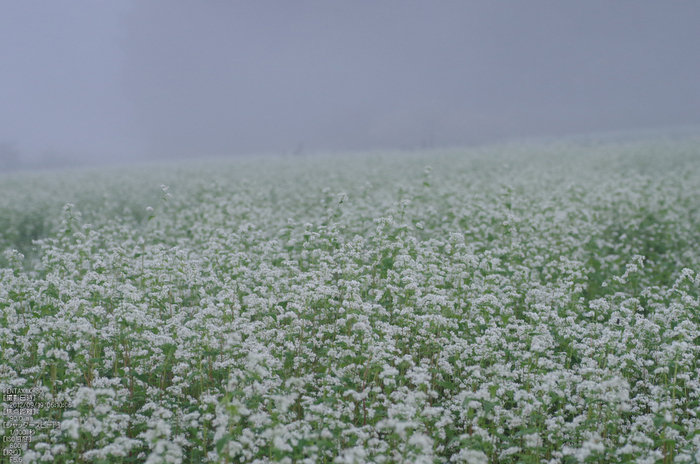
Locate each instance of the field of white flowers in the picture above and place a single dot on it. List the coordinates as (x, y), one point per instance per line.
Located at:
(516, 303)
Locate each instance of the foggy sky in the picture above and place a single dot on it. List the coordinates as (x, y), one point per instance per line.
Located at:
(127, 80)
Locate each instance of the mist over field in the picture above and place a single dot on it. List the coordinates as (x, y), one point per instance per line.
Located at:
(349, 232)
(88, 83)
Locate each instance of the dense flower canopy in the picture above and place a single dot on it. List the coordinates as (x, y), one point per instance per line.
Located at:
(506, 304)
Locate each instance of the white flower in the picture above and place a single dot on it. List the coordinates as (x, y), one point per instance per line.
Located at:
(468, 456)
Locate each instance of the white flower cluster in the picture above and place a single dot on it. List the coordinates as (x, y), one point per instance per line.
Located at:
(508, 304)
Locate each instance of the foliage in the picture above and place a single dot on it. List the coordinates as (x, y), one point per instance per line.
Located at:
(508, 304)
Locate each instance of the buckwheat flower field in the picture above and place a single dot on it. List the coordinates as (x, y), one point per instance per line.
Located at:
(508, 304)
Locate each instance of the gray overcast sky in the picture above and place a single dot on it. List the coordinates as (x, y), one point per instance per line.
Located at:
(127, 80)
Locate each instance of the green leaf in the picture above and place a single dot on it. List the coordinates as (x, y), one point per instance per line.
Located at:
(447, 385)
(223, 441)
(524, 432)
